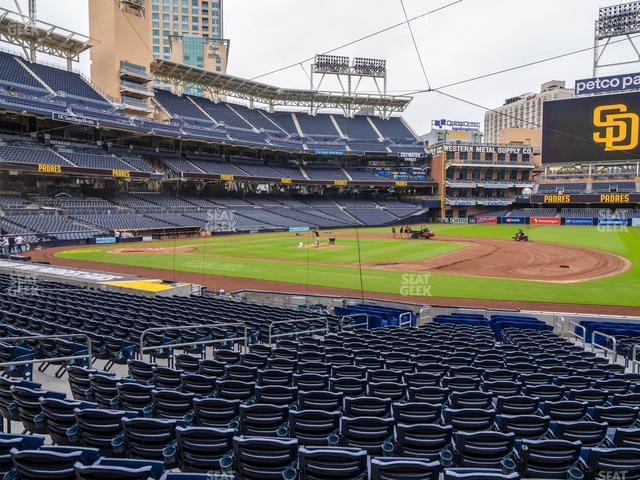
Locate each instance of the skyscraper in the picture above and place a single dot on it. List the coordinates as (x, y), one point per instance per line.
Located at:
(132, 33)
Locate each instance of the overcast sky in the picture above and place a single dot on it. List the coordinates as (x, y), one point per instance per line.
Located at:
(471, 38)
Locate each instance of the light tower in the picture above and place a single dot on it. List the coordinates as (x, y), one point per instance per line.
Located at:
(617, 22)
(349, 73)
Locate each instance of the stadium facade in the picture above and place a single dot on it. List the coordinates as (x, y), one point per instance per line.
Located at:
(523, 111)
(131, 34)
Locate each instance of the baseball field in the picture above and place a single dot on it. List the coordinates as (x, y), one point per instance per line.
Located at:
(560, 265)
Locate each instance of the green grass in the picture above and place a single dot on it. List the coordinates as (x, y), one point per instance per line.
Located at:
(277, 257)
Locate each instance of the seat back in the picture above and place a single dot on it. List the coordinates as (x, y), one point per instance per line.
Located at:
(609, 462)
(146, 438)
(423, 440)
(367, 406)
(482, 449)
(97, 427)
(590, 434)
(264, 420)
(332, 463)
(368, 433)
(398, 468)
(547, 458)
(202, 448)
(470, 419)
(321, 400)
(417, 413)
(264, 458)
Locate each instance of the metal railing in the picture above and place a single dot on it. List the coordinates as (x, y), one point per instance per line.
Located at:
(352, 316)
(325, 320)
(613, 349)
(635, 364)
(429, 315)
(577, 336)
(406, 323)
(244, 339)
(88, 355)
(558, 320)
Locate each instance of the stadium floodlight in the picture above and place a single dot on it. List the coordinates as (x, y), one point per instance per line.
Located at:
(369, 66)
(618, 20)
(331, 64)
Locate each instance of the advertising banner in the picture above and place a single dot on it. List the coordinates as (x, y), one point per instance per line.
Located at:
(545, 221)
(513, 220)
(584, 221)
(564, 198)
(613, 83)
(104, 240)
(487, 219)
(613, 222)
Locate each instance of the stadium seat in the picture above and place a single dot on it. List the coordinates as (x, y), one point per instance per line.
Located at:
(264, 458)
(321, 400)
(332, 463)
(59, 417)
(216, 412)
(314, 427)
(483, 449)
(404, 469)
(547, 458)
(624, 462)
(423, 440)
(54, 463)
(373, 434)
(478, 474)
(200, 449)
(264, 420)
(414, 413)
(367, 407)
(118, 469)
(590, 434)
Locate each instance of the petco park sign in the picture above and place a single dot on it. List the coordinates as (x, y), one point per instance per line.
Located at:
(614, 83)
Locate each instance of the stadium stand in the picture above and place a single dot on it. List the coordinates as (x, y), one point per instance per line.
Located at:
(71, 84)
(464, 394)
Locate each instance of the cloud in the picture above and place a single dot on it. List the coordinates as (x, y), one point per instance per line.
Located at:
(463, 41)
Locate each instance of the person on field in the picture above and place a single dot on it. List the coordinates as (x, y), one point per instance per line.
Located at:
(19, 244)
(393, 232)
(316, 234)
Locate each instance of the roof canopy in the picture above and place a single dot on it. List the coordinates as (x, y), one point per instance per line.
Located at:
(220, 85)
(35, 35)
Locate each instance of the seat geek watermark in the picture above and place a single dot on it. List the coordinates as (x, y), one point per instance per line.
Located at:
(415, 285)
(613, 224)
(221, 220)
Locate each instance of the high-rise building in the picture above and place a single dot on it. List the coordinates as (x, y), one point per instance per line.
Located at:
(523, 111)
(132, 33)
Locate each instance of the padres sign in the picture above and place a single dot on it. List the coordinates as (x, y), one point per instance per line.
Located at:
(589, 129)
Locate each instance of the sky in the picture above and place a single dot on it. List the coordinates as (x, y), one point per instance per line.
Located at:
(470, 38)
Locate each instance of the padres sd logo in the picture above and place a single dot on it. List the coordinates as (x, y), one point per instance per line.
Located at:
(619, 128)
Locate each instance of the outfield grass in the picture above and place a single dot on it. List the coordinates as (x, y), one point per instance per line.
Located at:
(265, 257)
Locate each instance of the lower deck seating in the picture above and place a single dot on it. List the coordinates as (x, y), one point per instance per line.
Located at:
(461, 395)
